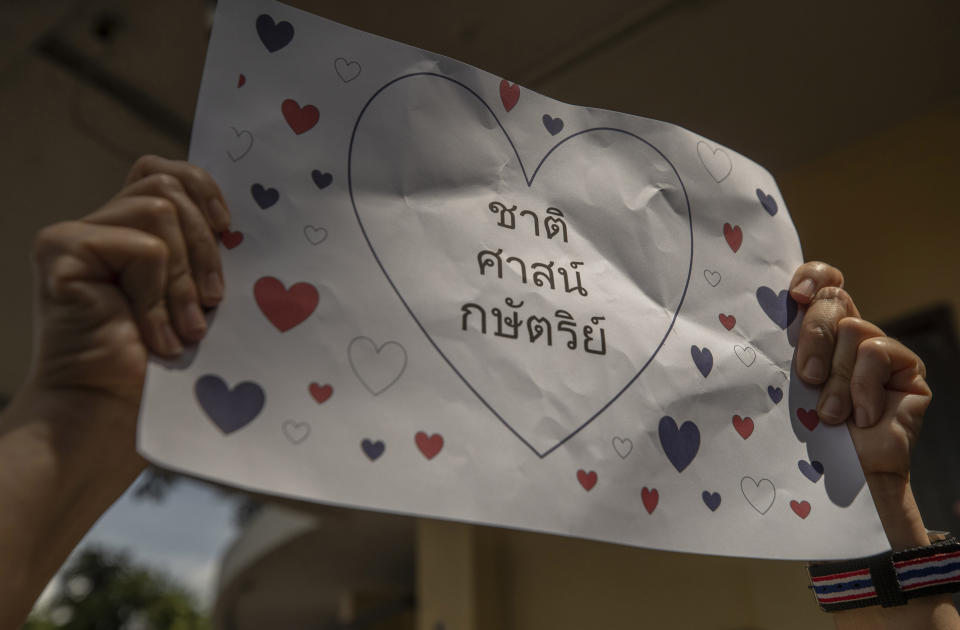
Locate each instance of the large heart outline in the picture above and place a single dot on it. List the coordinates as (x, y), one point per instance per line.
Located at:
(529, 179)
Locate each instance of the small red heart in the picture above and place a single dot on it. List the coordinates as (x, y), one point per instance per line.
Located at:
(650, 499)
(429, 445)
(728, 321)
(241, 80)
(801, 509)
(231, 239)
(321, 393)
(285, 308)
(587, 479)
(509, 94)
(734, 236)
(808, 418)
(744, 426)
(300, 119)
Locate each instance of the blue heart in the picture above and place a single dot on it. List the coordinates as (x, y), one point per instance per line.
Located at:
(711, 500)
(321, 179)
(779, 307)
(703, 359)
(265, 197)
(274, 36)
(812, 470)
(229, 409)
(768, 202)
(372, 449)
(776, 394)
(553, 125)
(680, 445)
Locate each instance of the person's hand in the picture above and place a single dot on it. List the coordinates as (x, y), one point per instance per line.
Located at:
(876, 385)
(128, 279)
(870, 381)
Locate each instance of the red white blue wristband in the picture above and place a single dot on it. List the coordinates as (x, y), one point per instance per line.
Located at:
(887, 579)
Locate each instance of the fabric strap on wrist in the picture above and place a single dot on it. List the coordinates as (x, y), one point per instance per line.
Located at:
(887, 579)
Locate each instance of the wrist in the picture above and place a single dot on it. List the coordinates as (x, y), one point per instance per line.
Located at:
(67, 456)
(898, 511)
(86, 433)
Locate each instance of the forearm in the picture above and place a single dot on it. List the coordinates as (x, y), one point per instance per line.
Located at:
(905, 529)
(57, 476)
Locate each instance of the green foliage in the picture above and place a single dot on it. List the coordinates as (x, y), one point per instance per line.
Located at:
(106, 591)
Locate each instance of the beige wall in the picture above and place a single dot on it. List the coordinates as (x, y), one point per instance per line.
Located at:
(886, 211)
(525, 581)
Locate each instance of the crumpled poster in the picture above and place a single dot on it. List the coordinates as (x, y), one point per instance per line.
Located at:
(453, 297)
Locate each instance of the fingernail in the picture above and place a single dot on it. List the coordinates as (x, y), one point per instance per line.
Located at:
(194, 321)
(211, 285)
(832, 407)
(170, 340)
(861, 417)
(218, 213)
(815, 370)
(805, 288)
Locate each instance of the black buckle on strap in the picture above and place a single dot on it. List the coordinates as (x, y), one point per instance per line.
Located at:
(885, 581)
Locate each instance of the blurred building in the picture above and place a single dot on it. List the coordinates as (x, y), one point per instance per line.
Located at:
(318, 567)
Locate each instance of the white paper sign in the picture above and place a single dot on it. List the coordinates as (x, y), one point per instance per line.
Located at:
(450, 296)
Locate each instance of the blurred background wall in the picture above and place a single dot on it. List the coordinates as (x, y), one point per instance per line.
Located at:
(853, 106)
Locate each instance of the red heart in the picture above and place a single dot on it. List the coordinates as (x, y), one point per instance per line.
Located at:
(728, 321)
(300, 119)
(801, 509)
(587, 479)
(734, 236)
(231, 239)
(429, 445)
(321, 394)
(241, 80)
(808, 418)
(285, 308)
(509, 94)
(744, 426)
(650, 499)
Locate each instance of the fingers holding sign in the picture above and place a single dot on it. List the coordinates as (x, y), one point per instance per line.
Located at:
(820, 287)
(871, 379)
(155, 242)
(197, 182)
(182, 205)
